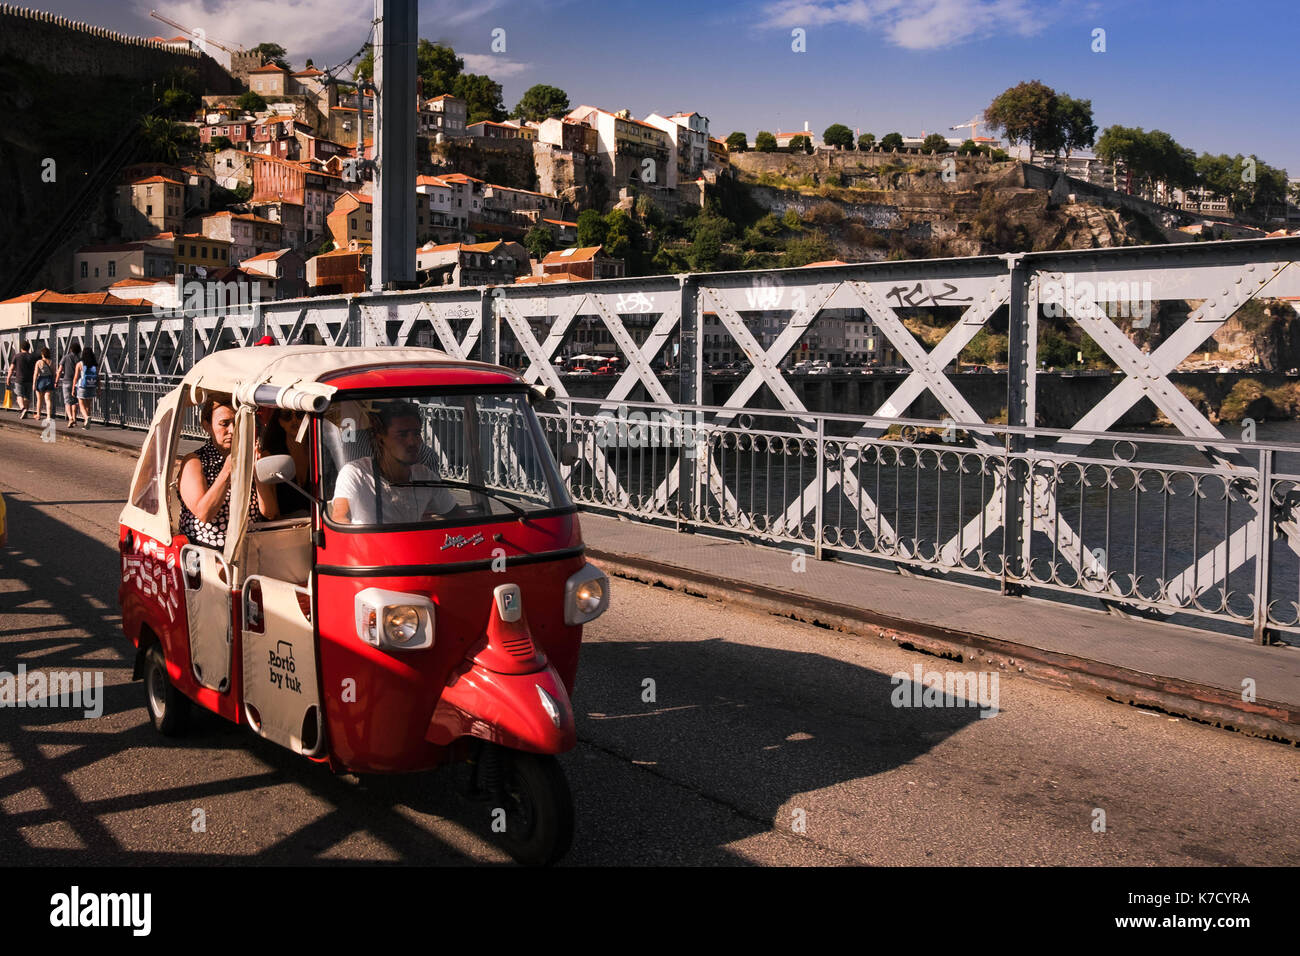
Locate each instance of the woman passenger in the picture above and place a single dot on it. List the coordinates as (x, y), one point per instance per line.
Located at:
(205, 480)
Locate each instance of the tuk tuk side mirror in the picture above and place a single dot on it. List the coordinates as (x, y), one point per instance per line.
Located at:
(569, 453)
(274, 469)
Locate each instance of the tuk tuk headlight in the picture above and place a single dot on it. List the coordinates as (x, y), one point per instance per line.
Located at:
(393, 620)
(401, 624)
(586, 596)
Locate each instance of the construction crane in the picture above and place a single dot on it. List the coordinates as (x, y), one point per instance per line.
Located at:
(973, 124)
(232, 50)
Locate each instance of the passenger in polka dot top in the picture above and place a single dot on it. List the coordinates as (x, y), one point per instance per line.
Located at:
(205, 481)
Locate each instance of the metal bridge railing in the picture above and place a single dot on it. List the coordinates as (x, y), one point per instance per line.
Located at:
(1139, 524)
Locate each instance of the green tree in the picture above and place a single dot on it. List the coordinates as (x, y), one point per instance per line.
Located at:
(271, 53)
(179, 103)
(801, 144)
(802, 250)
(934, 143)
(538, 241)
(1150, 157)
(1074, 121)
(625, 240)
(1027, 113)
(866, 141)
(591, 228)
(437, 65)
(706, 249)
(737, 142)
(765, 142)
(839, 136)
(891, 141)
(541, 102)
(482, 96)
(968, 148)
(251, 102)
(221, 142)
(164, 141)
(791, 219)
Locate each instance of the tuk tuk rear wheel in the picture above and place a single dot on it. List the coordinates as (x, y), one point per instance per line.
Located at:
(539, 809)
(169, 709)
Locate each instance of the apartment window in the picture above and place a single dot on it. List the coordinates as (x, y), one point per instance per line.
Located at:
(84, 269)
(223, 255)
(148, 191)
(148, 209)
(112, 268)
(96, 272)
(203, 253)
(367, 225)
(194, 251)
(353, 222)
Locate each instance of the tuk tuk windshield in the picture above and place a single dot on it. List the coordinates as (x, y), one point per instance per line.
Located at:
(422, 459)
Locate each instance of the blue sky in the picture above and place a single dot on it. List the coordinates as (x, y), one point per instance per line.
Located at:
(1219, 78)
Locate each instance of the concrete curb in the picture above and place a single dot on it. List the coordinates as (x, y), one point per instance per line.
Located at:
(77, 435)
(1200, 702)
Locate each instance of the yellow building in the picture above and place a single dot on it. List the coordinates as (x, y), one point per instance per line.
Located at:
(196, 249)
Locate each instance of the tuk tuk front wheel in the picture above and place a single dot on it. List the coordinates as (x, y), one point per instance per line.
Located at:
(538, 809)
(169, 709)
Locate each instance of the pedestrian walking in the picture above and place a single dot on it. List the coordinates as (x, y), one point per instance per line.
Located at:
(43, 385)
(66, 377)
(86, 377)
(20, 374)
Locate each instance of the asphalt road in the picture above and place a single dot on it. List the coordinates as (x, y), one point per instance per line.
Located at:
(767, 742)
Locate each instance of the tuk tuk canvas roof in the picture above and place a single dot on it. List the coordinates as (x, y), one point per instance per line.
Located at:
(231, 370)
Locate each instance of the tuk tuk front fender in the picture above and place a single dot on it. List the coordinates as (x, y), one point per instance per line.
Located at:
(506, 709)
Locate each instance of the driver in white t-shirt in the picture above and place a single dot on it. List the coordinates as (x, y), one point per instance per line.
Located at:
(396, 460)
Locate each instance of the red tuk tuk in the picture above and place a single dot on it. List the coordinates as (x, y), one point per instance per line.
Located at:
(418, 598)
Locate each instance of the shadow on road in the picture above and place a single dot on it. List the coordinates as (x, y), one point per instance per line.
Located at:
(734, 734)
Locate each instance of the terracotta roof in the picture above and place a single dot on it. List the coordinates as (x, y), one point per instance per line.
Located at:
(154, 179)
(552, 277)
(85, 298)
(460, 178)
(267, 255)
(339, 252)
(310, 71)
(562, 222)
(561, 256)
(123, 246)
(122, 283)
(824, 262)
(515, 189)
(463, 247)
(246, 216)
(269, 68)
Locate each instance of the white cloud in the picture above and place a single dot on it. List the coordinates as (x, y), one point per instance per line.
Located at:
(493, 64)
(328, 31)
(914, 24)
